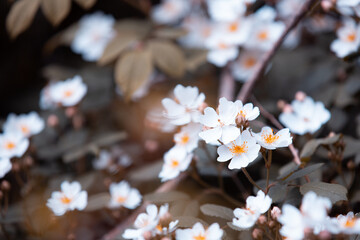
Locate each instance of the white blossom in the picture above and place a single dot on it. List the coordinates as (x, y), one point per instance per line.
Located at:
(220, 51)
(185, 107)
(220, 126)
(348, 224)
(94, 33)
(70, 198)
(242, 151)
(69, 92)
(267, 139)
(170, 11)
(123, 195)
(176, 160)
(255, 206)
(25, 124)
(13, 144)
(247, 111)
(5, 166)
(307, 116)
(225, 10)
(198, 232)
(243, 68)
(188, 137)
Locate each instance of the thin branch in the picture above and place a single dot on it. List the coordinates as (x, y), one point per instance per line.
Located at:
(261, 66)
(227, 84)
(165, 187)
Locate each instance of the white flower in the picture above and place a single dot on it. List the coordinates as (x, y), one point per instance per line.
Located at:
(176, 160)
(225, 10)
(25, 124)
(123, 195)
(307, 116)
(314, 209)
(242, 151)
(267, 139)
(185, 107)
(286, 8)
(199, 29)
(170, 11)
(188, 137)
(348, 39)
(255, 206)
(220, 126)
(70, 198)
(69, 92)
(347, 3)
(293, 223)
(13, 144)
(348, 224)
(198, 232)
(46, 102)
(146, 222)
(104, 161)
(94, 33)
(235, 32)
(5, 166)
(244, 67)
(220, 51)
(247, 111)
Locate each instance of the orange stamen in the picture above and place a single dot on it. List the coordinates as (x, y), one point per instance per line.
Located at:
(238, 150)
(263, 35)
(10, 145)
(65, 200)
(249, 62)
(233, 27)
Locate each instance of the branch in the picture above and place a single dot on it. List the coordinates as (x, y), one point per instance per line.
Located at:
(261, 66)
(227, 84)
(128, 222)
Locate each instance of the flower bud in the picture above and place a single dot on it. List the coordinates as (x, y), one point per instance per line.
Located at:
(300, 96)
(5, 186)
(257, 233)
(52, 120)
(275, 212)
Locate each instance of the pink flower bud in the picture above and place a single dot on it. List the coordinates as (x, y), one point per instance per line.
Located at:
(300, 96)
(275, 212)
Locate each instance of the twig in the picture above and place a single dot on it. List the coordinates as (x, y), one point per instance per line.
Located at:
(165, 187)
(261, 66)
(250, 179)
(227, 84)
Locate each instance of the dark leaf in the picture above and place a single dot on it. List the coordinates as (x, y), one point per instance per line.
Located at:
(334, 192)
(214, 210)
(98, 201)
(56, 10)
(165, 197)
(303, 172)
(172, 33)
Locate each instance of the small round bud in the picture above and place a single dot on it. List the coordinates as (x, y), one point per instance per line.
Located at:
(326, 5)
(5, 186)
(272, 224)
(331, 134)
(151, 145)
(287, 108)
(202, 107)
(262, 219)
(324, 235)
(15, 167)
(257, 233)
(70, 111)
(300, 96)
(71, 236)
(52, 120)
(29, 161)
(107, 182)
(351, 165)
(281, 104)
(147, 235)
(78, 121)
(275, 212)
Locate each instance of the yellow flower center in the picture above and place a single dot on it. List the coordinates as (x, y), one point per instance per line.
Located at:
(159, 227)
(263, 35)
(270, 138)
(249, 62)
(25, 129)
(65, 200)
(222, 45)
(199, 237)
(184, 139)
(233, 27)
(10, 145)
(121, 199)
(350, 222)
(68, 93)
(238, 150)
(174, 163)
(242, 113)
(351, 37)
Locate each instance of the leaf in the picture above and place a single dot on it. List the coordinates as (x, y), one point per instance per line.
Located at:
(334, 192)
(171, 33)
(98, 201)
(192, 208)
(168, 57)
(147, 173)
(302, 172)
(214, 210)
(165, 197)
(140, 28)
(236, 228)
(132, 71)
(197, 58)
(56, 10)
(188, 222)
(277, 193)
(20, 16)
(311, 146)
(64, 37)
(86, 4)
(115, 47)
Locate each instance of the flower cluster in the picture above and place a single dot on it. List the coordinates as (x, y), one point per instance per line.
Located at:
(313, 218)
(123, 195)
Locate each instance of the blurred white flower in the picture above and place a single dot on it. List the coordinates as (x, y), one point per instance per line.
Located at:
(5, 166)
(348, 224)
(267, 139)
(46, 102)
(198, 232)
(287, 8)
(348, 40)
(244, 67)
(170, 11)
(242, 151)
(307, 116)
(199, 29)
(176, 160)
(123, 195)
(104, 161)
(347, 3)
(25, 124)
(185, 107)
(312, 215)
(146, 222)
(235, 32)
(220, 51)
(188, 137)
(220, 126)
(94, 33)
(225, 10)
(247, 111)
(320, 23)
(70, 198)
(255, 206)
(13, 144)
(69, 92)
